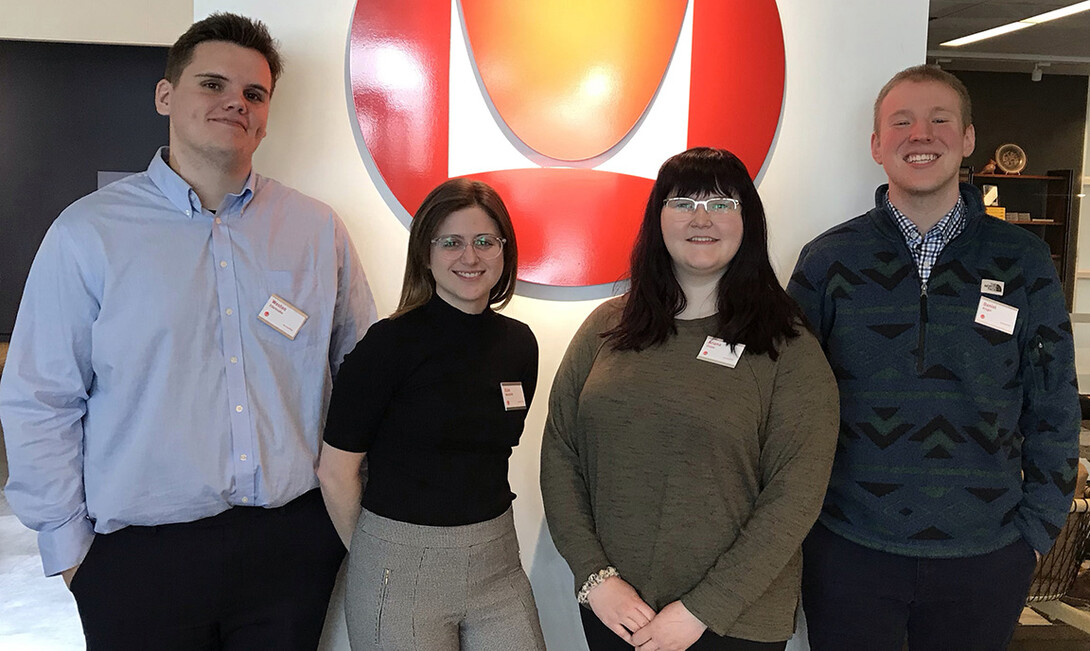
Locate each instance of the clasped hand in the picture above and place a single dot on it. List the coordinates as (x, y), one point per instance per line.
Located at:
(621, 609)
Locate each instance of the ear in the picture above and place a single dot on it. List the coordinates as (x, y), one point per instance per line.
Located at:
(163, 90)
(875, 148)
(968, 141)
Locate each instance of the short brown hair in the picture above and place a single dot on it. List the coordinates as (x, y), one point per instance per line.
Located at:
(924, 73)
(230, 28)
(449, 197)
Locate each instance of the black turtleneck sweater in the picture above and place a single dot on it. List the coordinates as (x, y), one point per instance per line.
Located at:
(420, 394)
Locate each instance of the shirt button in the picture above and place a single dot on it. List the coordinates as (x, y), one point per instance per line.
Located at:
(218, 220)
(223, 264)
(188, 213)
(234, 360)
(230, 311)
(238, 408)
(245, 500)
(242, 457)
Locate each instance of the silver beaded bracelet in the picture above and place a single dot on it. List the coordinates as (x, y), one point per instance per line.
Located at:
(593, 581)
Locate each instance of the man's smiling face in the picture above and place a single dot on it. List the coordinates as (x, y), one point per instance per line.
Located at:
(220, 104)
(920, 141)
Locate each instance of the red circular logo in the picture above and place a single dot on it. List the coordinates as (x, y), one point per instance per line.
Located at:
(569, 83)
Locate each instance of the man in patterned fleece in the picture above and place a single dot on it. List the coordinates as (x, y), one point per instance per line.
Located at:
(952, 348)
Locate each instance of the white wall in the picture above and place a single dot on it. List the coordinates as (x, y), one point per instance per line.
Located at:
(132, 22)
(1082, 255)
(1080, 319)
(839, 53)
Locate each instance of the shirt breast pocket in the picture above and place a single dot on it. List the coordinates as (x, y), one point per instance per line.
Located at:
(300, 290)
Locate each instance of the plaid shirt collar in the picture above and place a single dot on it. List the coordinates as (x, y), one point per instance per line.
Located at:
(925, 249)
(946, 229)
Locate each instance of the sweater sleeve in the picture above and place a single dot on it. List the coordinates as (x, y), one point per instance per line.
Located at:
(529, 376)
(564, 487)
(807, 287)
(362, 391)
(1050, 410)
(799, 440)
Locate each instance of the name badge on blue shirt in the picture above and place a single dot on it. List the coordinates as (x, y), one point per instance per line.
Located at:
(284, 317)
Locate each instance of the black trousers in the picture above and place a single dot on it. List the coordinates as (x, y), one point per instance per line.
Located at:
(861, 599)
(600, 638)
(248, 578)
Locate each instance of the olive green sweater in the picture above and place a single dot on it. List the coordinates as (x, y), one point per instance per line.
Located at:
(696, 481)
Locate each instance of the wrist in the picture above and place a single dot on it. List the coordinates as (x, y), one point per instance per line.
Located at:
(593, 581)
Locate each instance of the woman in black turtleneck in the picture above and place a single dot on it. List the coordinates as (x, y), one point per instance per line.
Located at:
(436, 396)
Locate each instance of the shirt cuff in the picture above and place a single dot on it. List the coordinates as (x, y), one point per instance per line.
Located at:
(66, 546)
(714, 608)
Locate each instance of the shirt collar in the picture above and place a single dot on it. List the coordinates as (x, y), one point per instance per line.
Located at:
(180, 193)
(946, 228)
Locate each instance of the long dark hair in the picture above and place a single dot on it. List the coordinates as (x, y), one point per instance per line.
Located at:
(418, 286)
(753, 308)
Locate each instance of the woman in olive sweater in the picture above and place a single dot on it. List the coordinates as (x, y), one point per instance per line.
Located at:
(691, 430)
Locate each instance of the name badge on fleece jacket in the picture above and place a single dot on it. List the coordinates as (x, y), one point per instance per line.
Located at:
(996, 315)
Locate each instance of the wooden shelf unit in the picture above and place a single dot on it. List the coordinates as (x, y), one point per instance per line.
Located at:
(1049, 200)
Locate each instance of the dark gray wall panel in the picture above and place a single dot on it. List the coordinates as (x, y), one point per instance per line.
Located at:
(67, 111)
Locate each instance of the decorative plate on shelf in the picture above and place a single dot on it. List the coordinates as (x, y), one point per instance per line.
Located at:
(1010, 158)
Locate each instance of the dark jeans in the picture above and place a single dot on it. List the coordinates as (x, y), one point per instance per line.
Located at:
(857, 598)
(600, 638)
(248, 578)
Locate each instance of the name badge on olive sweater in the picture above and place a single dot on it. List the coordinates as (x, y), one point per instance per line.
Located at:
(717, 351)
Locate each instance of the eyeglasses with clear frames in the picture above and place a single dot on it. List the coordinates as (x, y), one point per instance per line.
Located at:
(713, 205)
(486, 245)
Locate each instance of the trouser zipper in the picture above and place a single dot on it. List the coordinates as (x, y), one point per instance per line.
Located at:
(381, 604)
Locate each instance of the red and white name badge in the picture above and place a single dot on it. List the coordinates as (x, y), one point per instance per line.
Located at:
(282, 316)
(717, 351)
(513, 397)
(996, 315)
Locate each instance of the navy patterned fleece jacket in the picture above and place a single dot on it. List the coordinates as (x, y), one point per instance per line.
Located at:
(955, 438)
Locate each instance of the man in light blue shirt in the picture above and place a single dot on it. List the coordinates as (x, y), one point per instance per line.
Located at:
(169, 374)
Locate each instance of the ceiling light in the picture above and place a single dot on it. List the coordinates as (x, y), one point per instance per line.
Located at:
(1021, 24)
(1058, 13)
(988, 33)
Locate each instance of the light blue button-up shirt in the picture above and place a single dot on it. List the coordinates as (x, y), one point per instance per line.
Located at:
(140, 386)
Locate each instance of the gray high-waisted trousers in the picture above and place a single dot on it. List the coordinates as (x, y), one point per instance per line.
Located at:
(420, 588)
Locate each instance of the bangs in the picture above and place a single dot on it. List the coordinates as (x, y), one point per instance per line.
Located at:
(692, 178)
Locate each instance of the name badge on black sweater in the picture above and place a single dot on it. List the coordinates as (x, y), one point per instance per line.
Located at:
(513, 398)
